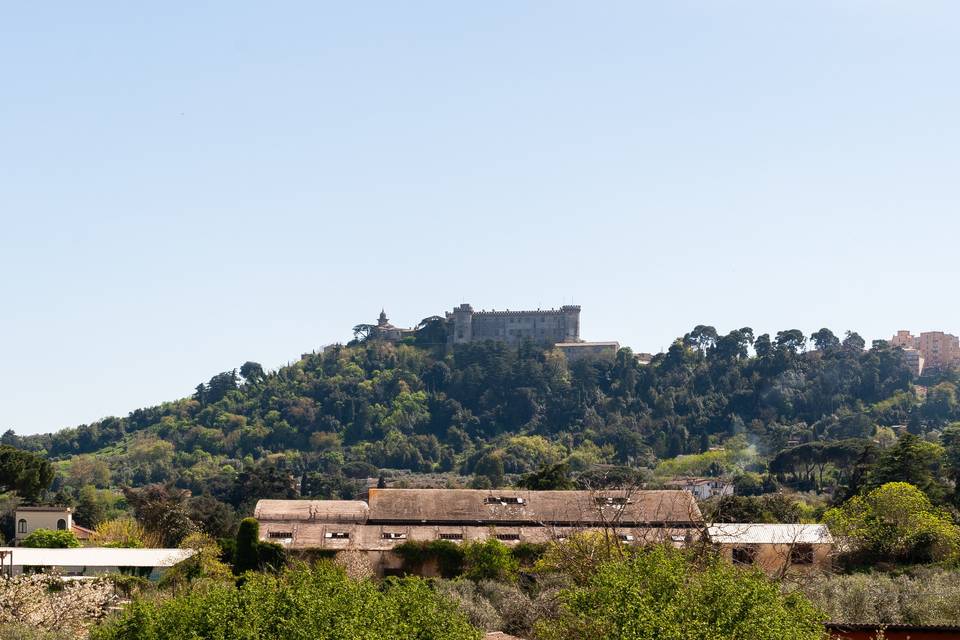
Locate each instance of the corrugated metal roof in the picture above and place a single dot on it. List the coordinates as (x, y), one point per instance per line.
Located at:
(96, 557)
(744, 533)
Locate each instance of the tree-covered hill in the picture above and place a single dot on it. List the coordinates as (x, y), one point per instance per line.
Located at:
(319, 425)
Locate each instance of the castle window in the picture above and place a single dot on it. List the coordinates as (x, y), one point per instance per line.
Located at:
(337, 535)
(61, 525)
(22, 526)
(508, 536)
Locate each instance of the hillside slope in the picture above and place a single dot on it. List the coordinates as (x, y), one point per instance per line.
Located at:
(383, 405)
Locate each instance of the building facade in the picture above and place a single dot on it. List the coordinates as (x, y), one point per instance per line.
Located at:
(393, 516)
(29, 519)
(464, 325)
(383, 330)
(937, 349)
(703, 488)
(777, 549)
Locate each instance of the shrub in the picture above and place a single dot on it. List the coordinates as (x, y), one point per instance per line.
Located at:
(50, 539)
(319, 603)
(579, 555)
(527, 553)
(415, 554)
(489, 560)
(895, 521)
(24, 632)
(927, 596)
(467, 596)
(204, 564)
(660, 593)
(123, 532)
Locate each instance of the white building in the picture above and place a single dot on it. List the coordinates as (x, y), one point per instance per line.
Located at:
(29, 519)
(775, 548)
(90, 561)
(703, 488)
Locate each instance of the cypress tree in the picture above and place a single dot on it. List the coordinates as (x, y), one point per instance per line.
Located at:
(247, 555)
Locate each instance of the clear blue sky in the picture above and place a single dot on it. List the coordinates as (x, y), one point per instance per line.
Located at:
(190, 186)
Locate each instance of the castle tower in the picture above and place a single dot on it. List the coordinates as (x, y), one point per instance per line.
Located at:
(462, 330)
(571, 317)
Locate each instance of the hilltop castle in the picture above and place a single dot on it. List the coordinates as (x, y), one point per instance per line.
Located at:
(559, 327)
(466, 325)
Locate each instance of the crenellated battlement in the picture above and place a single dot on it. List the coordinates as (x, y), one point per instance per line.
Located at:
(525, 312)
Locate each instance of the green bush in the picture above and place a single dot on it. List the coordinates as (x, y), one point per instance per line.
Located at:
(894, 522)
(319, 603)
(661, 593)
(527, 553)
(489, 560)
(415, 554)
(50, 539)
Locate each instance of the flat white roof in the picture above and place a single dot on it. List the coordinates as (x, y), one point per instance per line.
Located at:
(95, 557)
(749, 533)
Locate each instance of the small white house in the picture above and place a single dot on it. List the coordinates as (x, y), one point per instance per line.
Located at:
(775, 548)
(29, 519)
(91, 561)
(703, 488)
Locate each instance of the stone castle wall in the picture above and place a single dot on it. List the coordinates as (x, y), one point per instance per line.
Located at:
(543, 325)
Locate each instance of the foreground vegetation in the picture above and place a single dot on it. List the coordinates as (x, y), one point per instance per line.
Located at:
(319, 603)
(656, 592)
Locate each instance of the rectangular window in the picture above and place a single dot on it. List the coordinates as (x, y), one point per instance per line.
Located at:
(337, 535)
(280, 534)
(508, 536)
(801, 554)
(503, 500)
(394, 536)
(625, 537)
(451, 536)
(744, 555)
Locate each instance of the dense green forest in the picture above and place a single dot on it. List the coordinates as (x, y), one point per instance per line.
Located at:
(773, 410)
